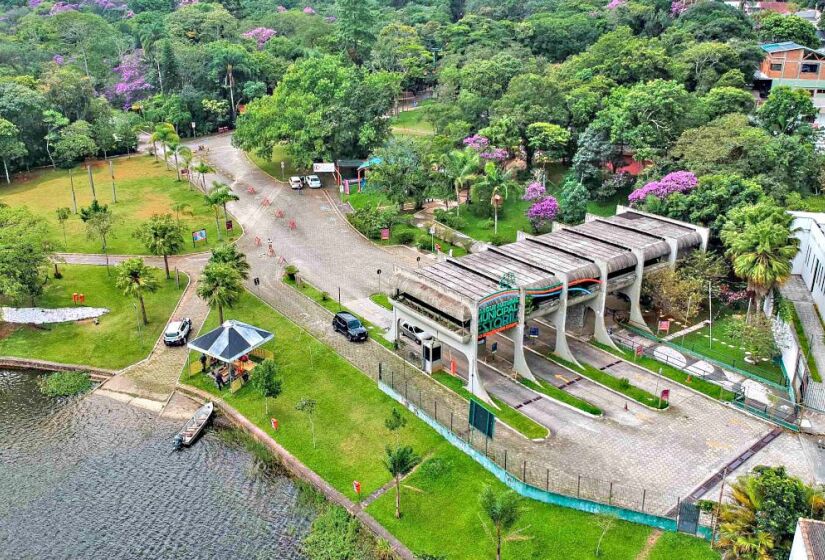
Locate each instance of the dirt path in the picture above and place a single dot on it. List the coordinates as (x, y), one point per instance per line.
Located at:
(652, 539)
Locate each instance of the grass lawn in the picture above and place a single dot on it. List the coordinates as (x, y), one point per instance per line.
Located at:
(677, 375)
(411, 123)
(114, 343)
(563, 396)
(440, 500)
(273, 165)
(350, 411)
(674, 545)
(441, 516)
(331, 304)
(725, 348)
(516, 420)
(365, 198)
(144, 187)
(382, 300)
(621, 385)
(804, 343)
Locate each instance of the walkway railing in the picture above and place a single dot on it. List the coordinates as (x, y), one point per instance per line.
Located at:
(530, 477)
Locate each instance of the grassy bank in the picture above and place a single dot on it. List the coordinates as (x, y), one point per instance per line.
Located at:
(381, 299)
(622, 386)
(803, 342)
(144, 187)
(441, 512)
(113, 343)
(563, 396)
(675, 374)
(272, 166)
(65, 383)
(516, 420)
(331, 304)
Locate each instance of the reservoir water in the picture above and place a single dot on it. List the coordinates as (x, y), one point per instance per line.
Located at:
(94, 478)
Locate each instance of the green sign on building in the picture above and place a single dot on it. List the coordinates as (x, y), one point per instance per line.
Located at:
(498, 316)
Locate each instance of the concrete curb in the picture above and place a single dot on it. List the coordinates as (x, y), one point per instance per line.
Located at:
(297, 469)
(98, 374)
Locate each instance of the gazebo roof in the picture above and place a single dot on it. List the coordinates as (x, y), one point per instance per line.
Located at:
(230, 341)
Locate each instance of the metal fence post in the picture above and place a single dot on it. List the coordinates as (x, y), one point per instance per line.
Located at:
(644, 495)
(486, 443)
(451, 422)
(678, 506)
(547, 484)
(505, 460)
(610, 495)
(435, 409)
(579, 486)
(524, 471)
(406, 390)
(379, 371)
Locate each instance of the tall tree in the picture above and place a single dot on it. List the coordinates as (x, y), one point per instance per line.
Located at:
(99, 225)
(460, 167)
(220, 195)
(136, 279)
(220, 286)
(162, 235)
(573, 201)
(355, 29)
(24, 257)
(503, 510)
(266, 381)
(11, 148)
(399, 172)
(761, 245)
(165, 134)
(399, 461)
(787, 111)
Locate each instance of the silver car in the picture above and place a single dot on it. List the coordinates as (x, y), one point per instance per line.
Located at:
(416, 334)
(296, 183)
(313, 181)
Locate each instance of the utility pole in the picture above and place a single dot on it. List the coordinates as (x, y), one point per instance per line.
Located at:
(710, 318)
(74, 198)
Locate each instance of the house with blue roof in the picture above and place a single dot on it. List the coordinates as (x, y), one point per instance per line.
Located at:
(793, 65)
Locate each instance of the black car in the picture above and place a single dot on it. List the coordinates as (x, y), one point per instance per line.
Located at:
(349, 325)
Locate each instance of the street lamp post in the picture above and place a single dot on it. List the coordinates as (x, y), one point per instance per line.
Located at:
(379, 280)
(193, 130)
(283, 166)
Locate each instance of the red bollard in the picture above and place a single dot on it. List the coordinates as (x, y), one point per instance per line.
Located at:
(74, 297)
(81, 298)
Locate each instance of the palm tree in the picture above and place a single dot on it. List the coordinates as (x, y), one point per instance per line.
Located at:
(161, 235)
(761, 245)
(202, 168)
(399, 461)
(460, 166)
(218, 197)
(182, 208)
(220, 285)
(495, 181)
(135, 278)
(165, 134)
(229, 254)
(739, 532)
(179, 149)
(502, 509)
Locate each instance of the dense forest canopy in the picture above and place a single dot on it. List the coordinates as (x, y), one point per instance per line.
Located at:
(665, 80)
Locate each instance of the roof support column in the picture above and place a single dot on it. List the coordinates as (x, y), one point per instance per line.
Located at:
(519, 361)
(674, 252)
(474, 383)
(598, 305)
(634, 292)
(559, 318)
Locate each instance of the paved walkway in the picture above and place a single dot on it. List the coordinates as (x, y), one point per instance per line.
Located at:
(151, 382)
(796, 291)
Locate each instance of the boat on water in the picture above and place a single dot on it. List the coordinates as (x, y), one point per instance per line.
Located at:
(194, 426)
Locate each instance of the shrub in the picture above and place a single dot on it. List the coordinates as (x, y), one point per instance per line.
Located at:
(425, 244)
(65, 383)
(405, 237)
(324, 296)
(370, 221)
(450, 219)
(291, 271)
(498, 239)
(624, 383)
(613, 184)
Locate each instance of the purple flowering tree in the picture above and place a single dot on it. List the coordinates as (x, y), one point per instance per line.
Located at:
(534, 191)
(60, 7)
(676, 182)
(281, 9)
(495, 154)
(543, 212)
(34, 3)
(677, 7)
(309, 11)
(477, 142)
(260, 35)
(132, 85)
(615, 4)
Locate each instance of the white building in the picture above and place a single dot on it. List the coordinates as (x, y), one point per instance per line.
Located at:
(808, 541)
(809, 263)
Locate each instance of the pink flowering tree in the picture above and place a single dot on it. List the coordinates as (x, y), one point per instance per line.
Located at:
(132, 85)
(676, 182)
(677, 7)
(281, 9)
(481, 144)
(615, 4)
(260, 35)
(534, 191)
(477, 142)
(543, 212)
(309, 11)
(60, 7)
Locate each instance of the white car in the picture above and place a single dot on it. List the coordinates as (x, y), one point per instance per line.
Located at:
(177, 332)
(416, 334)
(313, 181)
(296, 183)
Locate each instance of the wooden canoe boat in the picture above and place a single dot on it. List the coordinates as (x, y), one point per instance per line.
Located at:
(194, 426)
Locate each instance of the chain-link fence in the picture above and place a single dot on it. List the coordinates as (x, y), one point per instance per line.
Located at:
(521, 463)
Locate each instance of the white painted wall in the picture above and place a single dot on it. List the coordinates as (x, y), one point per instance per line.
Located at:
(810, 260)
(798, 549)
